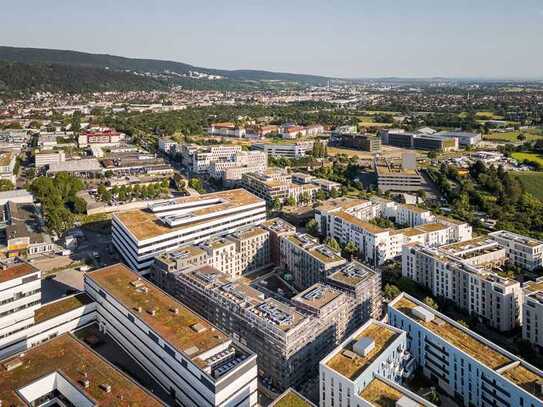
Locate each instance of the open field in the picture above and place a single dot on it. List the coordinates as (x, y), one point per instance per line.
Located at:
(528, 156)
(532, 183)
(512, 136)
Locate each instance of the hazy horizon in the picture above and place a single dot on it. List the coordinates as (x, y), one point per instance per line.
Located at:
(353, 39)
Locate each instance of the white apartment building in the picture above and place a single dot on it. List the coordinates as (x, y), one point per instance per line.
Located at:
(199, 159)
(307, 260)
(238, 164)
(42, 159)
(532, 312)
(368, 369)
(523, 251)
(290, 150)
(7, 164)
(226, 129)
(468, 367)
(64, 371)
(412, 215)
(140, 235)
(465, 273)
(167, 145)
(191, 359)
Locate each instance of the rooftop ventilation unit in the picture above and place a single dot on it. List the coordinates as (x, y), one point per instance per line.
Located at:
(274, 314)
(315, 294)
(364, 346)
(423, 314)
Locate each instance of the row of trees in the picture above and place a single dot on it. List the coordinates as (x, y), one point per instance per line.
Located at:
(126, 193)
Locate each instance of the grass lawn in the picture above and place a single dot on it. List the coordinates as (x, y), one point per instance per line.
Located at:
(513, 136)
(528, 156)
(532, 183)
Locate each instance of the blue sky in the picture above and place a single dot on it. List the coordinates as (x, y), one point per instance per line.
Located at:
(344, 38)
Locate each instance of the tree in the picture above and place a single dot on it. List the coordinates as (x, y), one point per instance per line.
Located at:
(276, 204)
(305, 198)
(79, 205)
(291, 201)
(320, 195)
(333, 244)
(312, 227)
(350, 249)
(432, 155)
(6, 185)
(391, 291)
(76, 121)
(430, 302)
(521, 137)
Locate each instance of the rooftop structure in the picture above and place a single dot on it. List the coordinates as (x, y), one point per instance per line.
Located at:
(66, 366)
(291, 398)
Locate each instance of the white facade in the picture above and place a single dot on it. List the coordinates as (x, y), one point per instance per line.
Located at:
(182, 221)
(42, 159)
(219, 374)
(226, 130)
(523, 251)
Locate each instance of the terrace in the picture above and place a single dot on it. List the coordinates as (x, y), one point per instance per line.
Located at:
(457, 337)
(77, 363)
(175, 323)
(343, 363)
(380, 394)
(525, 378)
(317, 296)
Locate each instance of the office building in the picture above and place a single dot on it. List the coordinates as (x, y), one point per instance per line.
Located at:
(194, 361)
(464, 138)
(226, 129)
(466, 273)
(465, 365)
(296, 149)
(65, 372)
(395, 177)
(356, 141)
(307, 260)
(140, 235)
(43, 159)
(103, 137)
(523, 251)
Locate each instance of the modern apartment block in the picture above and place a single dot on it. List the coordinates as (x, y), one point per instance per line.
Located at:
(307, 260)
(238, 253)
(198, 159)
(277, 228)
(467, 366)
(363, 142)
(24, 321)
(532, 312)
(289, 336)
(369, 369)
(351, 220)
(277, 184)
(523, 251)
(466, 274)
(65, 372)
(140, 235)
(194, 361)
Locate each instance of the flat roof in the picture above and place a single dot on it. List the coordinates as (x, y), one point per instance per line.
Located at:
(279, 226)
(291, 398)
(144, 224)
(341, 203)
(526, 240)
(76, 362)
(177, 329)
(16, 271)
(370, 227)
(525, 378)
(56, 308)
(533, 286)
(431, 227)
(380, 394)
(248, 233)
(415, 208)
(352, 274)
(455, 336)
(382, 336)
(317, 296)
(321, 252)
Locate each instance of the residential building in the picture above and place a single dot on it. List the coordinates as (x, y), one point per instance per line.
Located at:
(466, 273)
(167, 145)
(307, 260)
(43, 159)
(65, 371)
(468, 367)
(277, 228)
(241, 163)
(532, 312)
(523, 251)
(7, 165)
(289, 336)
(277, 184)
(226, 129)
(369, 369)
(194, 361)
(140, 235)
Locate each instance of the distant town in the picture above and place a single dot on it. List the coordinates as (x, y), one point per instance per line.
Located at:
(342, 244)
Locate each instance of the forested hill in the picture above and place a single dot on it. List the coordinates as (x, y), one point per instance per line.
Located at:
(112, 62)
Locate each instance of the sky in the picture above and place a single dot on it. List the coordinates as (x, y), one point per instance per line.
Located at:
(341, 38)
